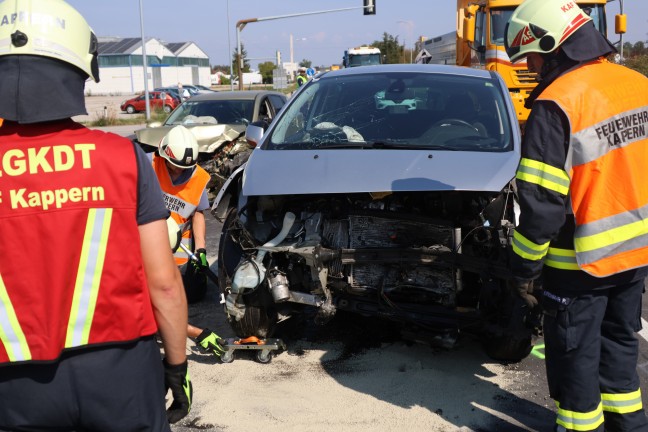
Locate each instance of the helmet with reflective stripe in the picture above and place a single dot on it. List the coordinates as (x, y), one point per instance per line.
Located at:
(49, 28)
(541, 26)
(180, 147)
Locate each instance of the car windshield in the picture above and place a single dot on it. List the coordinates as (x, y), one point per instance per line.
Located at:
(396, 110)
(212, 112)
(499, 18)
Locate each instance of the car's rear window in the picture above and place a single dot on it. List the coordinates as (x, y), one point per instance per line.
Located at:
(397, 110)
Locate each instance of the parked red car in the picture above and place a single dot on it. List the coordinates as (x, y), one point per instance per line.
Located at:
(157, 100)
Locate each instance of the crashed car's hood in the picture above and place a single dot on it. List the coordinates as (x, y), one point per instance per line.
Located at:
(210, 137)
(284, 172)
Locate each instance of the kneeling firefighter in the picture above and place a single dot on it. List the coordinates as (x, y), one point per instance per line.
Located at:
(183, 184)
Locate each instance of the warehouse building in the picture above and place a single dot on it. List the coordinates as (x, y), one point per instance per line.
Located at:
(121, 65)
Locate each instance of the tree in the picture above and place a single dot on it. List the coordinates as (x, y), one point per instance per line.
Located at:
(391, 49)
(638, 63)
(305, 63)
(265, 69)
(220, 68)
(246, 62)
(638, 48)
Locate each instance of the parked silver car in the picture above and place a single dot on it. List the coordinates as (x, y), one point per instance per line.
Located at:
(385, 191)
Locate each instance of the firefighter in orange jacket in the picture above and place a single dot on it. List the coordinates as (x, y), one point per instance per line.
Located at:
(183, 184)
(583, 194)
(82, 210)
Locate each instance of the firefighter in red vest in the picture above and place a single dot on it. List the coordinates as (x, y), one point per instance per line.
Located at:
(184, 184)
(583, 194)
(87, 277)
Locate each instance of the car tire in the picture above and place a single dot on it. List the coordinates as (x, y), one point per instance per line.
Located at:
(167, 109)
(508, 349)
(260, 317)
(130, 109)
(514, 339)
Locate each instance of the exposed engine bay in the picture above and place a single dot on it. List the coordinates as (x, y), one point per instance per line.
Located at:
(433, 259)
(221, 164)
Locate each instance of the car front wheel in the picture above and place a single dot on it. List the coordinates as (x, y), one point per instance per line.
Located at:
(513, 340)
(167, 109)
(260, 315)
(130, 109)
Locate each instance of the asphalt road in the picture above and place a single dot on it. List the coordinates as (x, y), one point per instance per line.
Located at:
(528, 409)
(532, 412)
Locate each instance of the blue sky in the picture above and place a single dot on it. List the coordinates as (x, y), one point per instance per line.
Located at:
(321, 38)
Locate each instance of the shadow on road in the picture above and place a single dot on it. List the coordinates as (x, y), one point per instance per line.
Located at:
(461, 385)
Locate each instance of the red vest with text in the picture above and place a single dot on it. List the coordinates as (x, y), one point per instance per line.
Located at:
(71, 272)
(182, 200)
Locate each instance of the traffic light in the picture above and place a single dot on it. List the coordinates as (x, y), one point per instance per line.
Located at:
(369, 7)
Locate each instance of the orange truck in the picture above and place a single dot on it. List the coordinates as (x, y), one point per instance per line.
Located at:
(480, 41)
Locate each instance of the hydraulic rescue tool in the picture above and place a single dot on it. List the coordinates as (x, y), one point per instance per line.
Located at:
(210, 274)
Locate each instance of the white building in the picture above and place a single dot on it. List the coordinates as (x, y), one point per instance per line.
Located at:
(121, 68)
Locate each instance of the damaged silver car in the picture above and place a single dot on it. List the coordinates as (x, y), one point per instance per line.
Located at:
(385, 191)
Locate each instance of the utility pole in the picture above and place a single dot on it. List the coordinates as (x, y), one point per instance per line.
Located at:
(410, 36)
(229, 48)
(144, 65)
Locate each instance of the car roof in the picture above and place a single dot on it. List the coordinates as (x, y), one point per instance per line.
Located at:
(235, 95)
(420, 68)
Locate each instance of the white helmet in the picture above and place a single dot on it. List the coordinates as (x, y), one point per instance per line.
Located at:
(49, 28)
(180, 147)
(541, 26)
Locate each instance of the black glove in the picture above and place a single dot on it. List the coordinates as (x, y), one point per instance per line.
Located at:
(523, 288)
(201, 254)
(211, 342)
(177, 379)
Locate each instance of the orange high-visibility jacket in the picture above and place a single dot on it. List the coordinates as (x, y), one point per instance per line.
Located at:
(71, 272)
(607, 107)
(181, 200)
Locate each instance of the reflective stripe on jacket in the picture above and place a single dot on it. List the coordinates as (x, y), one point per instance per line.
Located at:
(607, 107)
(182, 200)
(71, 273)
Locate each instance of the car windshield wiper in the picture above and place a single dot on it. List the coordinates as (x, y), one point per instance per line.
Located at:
(337, 145)
(409, 146)
(381, 145)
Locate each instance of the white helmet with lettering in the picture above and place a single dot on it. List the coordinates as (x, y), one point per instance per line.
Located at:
(541, 26)
(180, 147)
(48, 28)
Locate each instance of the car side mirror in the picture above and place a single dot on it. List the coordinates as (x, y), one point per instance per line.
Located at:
(254, 133)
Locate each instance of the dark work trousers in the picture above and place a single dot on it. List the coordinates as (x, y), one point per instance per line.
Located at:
(108, 389)
(591, 349)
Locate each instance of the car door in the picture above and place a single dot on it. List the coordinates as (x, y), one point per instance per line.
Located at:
(140, 103)
(277, 102)
(157, 100)
(266, 112)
